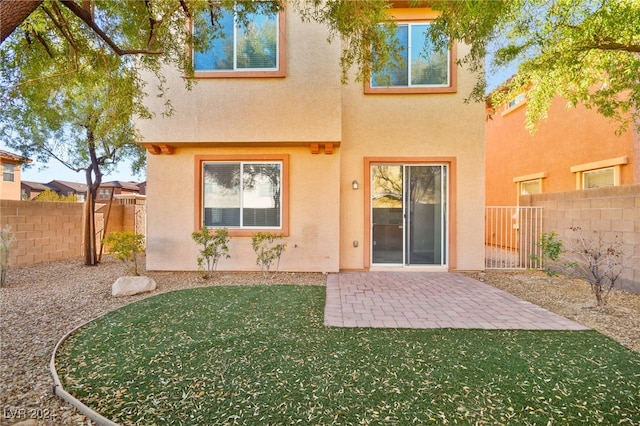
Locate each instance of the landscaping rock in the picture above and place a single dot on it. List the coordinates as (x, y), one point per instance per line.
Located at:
(128, 286)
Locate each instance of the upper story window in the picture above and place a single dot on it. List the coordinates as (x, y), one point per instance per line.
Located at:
(8, 172)
(514, 103)
(247, 46)
(422, 69)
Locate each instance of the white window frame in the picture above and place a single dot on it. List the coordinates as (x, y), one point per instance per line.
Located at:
(586, 173)
(612, 163)
(529, 178)
(8, 170)
(534, 181)
(514, 103)
(410, 47)
(241, 207)
(235, 68)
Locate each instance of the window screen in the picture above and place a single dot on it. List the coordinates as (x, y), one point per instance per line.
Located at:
(421, 65)
(250, 44)
(598, 178)
(8, 172)
(242, 195)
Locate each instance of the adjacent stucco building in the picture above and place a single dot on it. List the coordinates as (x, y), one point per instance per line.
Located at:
(355, 176)
(573, 149)
(10, 164)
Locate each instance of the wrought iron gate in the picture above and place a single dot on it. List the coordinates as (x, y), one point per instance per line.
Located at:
(511, 236)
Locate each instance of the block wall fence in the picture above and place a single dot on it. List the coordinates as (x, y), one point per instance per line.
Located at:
(614, 211)
(47, 231)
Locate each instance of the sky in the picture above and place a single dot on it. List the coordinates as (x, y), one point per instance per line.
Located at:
(54, 170)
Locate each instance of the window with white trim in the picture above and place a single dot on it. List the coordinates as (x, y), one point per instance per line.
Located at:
(421, 65)
(248, 44)
(599, 173)
(242, 194)
(8, 172)
(598, 178)
(530, 187)
(514, 103)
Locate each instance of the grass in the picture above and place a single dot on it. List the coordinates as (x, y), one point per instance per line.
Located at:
(261, 355)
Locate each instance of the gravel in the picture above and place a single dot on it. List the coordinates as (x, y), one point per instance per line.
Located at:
(40, 303)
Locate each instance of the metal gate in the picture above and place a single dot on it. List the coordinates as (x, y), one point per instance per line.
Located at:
(511, 237)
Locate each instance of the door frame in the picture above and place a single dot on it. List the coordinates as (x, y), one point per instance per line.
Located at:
(450, 162)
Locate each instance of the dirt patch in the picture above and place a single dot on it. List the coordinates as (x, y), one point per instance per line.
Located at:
(573, 299)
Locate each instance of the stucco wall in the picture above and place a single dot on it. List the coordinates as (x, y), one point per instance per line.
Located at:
(569, 137)
(10, 190)
(410, 127)
(304, 106)
(612, 211)
(312, 244)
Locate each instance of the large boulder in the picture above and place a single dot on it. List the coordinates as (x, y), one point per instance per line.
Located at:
(128, 286)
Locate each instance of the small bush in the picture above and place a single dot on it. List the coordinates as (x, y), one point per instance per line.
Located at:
(125, 246)
(268, 250)
(213, 247)
(52, 196)
(551, 248)
(598, 261)
(6, 241)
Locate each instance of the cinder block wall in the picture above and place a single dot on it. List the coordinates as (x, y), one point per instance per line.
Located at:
(612, 210)
(44, 231)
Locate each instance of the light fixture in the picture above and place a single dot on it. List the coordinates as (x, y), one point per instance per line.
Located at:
(354, 184)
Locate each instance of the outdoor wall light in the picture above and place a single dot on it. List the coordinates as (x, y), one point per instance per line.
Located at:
(354, 184)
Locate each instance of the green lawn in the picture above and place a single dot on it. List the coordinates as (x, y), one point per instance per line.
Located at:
(261, 355)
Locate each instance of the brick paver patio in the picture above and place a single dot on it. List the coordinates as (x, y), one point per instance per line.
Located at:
(430, 300)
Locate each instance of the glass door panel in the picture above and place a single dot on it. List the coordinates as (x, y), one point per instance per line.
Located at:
(408, 211)
(425, 219)
(387, 214)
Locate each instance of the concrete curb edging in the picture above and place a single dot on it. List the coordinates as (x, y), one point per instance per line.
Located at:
(59, 391)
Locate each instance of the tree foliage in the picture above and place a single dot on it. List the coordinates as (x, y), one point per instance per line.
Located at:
(52, 196)
(125, 246)
(586, 51)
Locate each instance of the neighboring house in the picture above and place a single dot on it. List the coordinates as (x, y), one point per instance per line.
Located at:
(65, 188)
(31, 190)
(118, 188)
(574, 148)
(10, 164)
(354, 176)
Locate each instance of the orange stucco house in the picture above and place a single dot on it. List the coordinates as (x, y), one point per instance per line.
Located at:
(575, 148)
(355, 176)
(10, 164)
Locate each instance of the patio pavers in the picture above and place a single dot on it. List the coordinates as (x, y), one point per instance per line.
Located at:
(389, 299)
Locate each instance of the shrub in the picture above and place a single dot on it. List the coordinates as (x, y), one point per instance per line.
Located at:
(52, 196)
(268, 250)
(551, 248)
(125, 246)
(6, 241)
(598, 261)
(212, 247)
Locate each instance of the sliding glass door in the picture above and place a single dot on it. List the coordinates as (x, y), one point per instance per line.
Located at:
(408, 213)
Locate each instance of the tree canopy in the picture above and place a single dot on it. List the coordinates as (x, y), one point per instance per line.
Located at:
(70, 72)
(586, 51)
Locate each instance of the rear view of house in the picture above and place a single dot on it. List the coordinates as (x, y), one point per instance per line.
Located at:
(387, 174)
